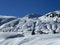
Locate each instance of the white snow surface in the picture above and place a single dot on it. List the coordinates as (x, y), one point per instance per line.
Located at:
(31, 29)
(48, 39)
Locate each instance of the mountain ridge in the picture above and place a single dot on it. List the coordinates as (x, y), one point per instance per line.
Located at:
(48, 23)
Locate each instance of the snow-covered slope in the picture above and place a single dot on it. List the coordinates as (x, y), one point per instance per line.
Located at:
(48, 23)
(31, 29)
(44, 39)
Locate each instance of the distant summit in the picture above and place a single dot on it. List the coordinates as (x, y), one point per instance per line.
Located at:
(32, 15)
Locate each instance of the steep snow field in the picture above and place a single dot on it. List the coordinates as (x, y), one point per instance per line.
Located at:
(31, 29)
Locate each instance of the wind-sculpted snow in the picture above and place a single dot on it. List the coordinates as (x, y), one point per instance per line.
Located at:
(31, 29)
(44, 24)
(49, 23)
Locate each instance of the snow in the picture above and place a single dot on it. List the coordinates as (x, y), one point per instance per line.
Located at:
(18, 31)
(7, 16)
(50, 39)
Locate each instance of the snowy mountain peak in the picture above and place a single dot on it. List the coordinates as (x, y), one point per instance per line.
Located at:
(57, 12)
(28, 30)
(33, 15)
(48, 23)
(7, 16)
(53, 14)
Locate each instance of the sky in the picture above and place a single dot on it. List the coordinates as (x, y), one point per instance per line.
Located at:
(21, 8)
